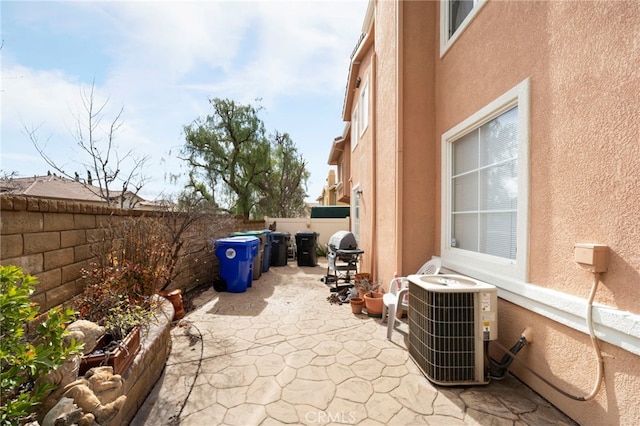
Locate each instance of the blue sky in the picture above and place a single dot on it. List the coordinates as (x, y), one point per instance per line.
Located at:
(162, 61)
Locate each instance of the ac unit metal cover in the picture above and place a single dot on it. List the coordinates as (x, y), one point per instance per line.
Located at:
(450, 318)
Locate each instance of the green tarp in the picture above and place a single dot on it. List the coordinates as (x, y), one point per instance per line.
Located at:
(326, 212)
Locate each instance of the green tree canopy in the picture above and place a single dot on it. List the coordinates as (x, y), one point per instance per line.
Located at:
(284, 191)
(233, 164)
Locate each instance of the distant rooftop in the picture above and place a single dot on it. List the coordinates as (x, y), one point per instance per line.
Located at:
(52, 186)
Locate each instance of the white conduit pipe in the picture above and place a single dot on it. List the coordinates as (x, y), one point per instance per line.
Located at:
(594, 339)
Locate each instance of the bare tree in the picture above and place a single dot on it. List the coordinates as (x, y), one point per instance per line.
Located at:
(190, 223)
(98, 143)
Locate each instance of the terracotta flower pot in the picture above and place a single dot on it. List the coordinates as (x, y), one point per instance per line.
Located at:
(356, 305)
(361, 275)
(175, 297)
(373, 304)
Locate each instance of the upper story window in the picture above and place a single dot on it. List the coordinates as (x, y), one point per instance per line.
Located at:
(455, 16)
(364, 107)
(354, 128)
(485, 190)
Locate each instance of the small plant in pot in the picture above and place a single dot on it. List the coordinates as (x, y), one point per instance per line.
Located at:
(372, 297)
(122, 317)
(365, 285)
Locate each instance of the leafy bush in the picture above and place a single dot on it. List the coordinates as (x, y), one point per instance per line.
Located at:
(322, 250)
(24, 356)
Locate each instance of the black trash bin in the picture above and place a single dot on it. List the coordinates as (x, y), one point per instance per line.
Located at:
(306, 248)
(279, 243)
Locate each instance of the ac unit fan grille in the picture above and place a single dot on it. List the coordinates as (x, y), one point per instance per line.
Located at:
(442, 335)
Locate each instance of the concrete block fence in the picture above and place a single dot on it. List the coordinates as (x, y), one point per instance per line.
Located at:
(51, 240)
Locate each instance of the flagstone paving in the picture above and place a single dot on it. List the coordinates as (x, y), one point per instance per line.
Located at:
(280, 353)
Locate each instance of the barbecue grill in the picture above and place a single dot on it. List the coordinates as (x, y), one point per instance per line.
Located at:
(342, 258)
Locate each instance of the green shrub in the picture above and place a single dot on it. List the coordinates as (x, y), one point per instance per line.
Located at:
(25, 356)
(322, 250)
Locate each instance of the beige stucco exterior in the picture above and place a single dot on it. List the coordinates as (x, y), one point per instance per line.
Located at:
(581, 62)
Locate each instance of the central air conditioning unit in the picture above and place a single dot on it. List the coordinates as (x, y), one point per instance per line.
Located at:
(450, 319)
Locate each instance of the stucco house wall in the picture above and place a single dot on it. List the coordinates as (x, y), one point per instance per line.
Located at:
(584, 164)
(387, 210)
(579, 64)
(420, 188)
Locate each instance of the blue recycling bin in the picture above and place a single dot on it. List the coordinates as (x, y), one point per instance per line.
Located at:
(236, 256)
(266, 258)
(258, 260)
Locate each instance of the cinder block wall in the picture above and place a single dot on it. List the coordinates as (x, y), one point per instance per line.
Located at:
(50, 239)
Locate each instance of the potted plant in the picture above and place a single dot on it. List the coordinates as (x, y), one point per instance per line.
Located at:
(121, 342)
(362, 287)
(175, 297)
(372, 298)
(356, 304)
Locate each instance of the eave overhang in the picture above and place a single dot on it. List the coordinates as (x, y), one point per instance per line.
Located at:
(365, 42)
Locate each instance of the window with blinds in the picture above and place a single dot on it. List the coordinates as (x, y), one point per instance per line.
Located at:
(484, 183)
(485, 190)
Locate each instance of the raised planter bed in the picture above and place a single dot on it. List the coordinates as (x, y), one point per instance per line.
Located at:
(120, 358)
(148, 364)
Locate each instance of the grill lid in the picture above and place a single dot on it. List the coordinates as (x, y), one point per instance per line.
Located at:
(343, 240)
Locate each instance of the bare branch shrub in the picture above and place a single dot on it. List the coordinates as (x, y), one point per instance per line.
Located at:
(190, 227)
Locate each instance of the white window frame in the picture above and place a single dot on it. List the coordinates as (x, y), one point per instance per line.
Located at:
(445, 41)
(354, 128)
(364, 107)
(486, 267)
(355, 213)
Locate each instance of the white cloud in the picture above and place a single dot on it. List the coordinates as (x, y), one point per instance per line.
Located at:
(37, 97)
(165, 59)
(249, 49)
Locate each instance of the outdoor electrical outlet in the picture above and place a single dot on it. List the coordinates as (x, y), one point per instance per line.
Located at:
(593, 257)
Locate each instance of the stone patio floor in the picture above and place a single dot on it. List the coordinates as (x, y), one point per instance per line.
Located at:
(280, 353)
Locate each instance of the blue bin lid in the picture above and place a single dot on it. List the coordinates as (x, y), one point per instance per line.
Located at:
(241, 240)
(245, 242)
